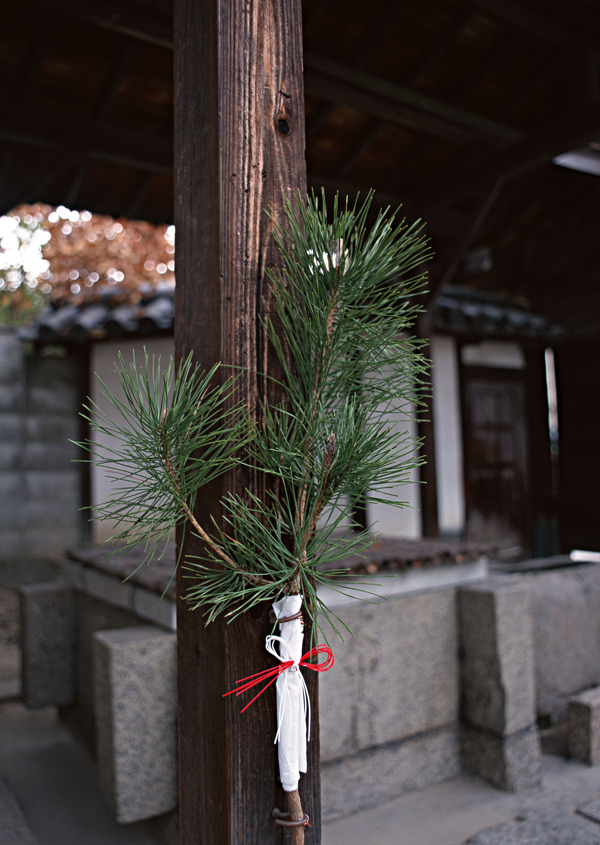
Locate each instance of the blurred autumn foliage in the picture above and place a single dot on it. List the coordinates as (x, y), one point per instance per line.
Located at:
(88, 258)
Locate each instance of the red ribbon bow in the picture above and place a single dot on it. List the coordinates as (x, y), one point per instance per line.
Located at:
(245, 684)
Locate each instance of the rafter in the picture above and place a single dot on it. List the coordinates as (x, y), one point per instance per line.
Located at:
(154, 26)
(100, 139)
(339, 83)
(553, 22)
(575, 131)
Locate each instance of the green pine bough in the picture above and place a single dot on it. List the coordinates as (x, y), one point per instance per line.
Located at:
(344, 306)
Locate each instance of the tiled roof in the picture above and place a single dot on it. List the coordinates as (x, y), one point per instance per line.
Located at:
(458, 311)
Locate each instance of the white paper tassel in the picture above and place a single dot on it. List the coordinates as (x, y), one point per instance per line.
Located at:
(293, 705)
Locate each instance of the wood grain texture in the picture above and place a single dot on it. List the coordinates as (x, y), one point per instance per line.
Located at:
(239, 149)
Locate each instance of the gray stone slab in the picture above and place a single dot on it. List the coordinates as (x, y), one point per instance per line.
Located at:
(47, 639)
(584, 726)
(135, 692)
(399, 675)
(14, 829)
(537, 828)
(49, 456)
(12, 397)
(371, 777)
(566, 614)
(497, 670)
(11, 355)
(512, 763)
(591, 810)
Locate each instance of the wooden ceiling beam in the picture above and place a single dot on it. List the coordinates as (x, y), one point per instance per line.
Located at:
(524, 17)
(35, 183)
(552, 21)
(348, 86)
(576, 131)
(82, 136)
(153, 25)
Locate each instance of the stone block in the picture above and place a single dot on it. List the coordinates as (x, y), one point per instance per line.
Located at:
(584, 727)
(52, 428)
(11, 427)
(49, 541)
(52, 512)
(11, 489)
(47, 640)
(10, 456)
(375, 775)
(45, 485)
(566, 617)
(52, 386)
(498, 689)
(512, 762)
(110, 589)
(135, 690)
(49, 456)
(154, 608)
(11, 355)
(399, 675)
(500, 741)
(12, 397)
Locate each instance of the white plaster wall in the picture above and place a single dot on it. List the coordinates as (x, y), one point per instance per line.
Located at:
(103, 360)
(493, 353)
(447, 428)
(391, 520)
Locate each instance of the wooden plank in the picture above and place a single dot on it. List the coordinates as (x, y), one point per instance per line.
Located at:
(239, 140)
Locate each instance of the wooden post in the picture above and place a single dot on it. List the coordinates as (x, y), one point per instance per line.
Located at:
(239, 148)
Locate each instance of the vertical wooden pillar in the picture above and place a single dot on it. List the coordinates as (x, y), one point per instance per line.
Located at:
(239, 148)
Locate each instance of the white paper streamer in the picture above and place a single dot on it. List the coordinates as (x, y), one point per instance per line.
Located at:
(293, 706)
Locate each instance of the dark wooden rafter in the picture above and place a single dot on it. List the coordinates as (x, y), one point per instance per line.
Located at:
(43, 28)
(367, 139)
(573, 132)
(339, 83)
(135, 203)
(50, 128)
(76, 183)
(449, 261)
(123, 54)
(383, 23)
(152, 23)
(549, 20)
(36, 182)
(317, 120)
(418, 148)
(540, 25)
(438, 48)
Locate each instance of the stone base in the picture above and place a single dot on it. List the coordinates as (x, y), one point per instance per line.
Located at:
(512, 762)
(369, 777)
(584, 727)
(47, 632)
(135, 682)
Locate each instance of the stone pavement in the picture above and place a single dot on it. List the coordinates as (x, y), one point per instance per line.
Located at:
(49, 796)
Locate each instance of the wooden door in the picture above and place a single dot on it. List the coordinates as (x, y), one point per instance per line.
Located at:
(496, 456)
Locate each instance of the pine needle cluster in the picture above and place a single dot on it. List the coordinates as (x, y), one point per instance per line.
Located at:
(345, 301)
